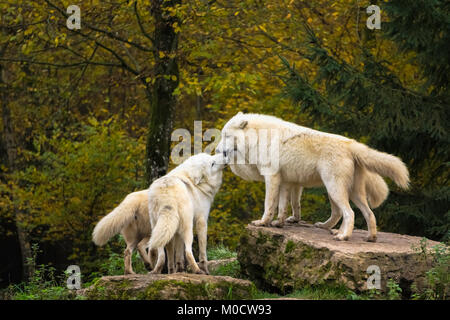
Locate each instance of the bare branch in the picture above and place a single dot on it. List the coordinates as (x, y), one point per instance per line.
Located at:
(140, 24)
(108, 33)
(63, 65)
(114, 53)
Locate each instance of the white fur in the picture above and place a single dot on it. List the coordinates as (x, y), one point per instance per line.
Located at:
(180, 200)
(131, 219)
(310, 158)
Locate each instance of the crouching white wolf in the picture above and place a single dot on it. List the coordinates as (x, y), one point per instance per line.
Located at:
(289, 155)
(131, 219)
(180, 200)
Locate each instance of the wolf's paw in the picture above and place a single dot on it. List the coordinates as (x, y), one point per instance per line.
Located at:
(320, 225)
(154, 272)
(259, 223)
(334, 231)
(371, 238)
(129, 272)
(204, 266)
(171, 270)
(292, 219)
(147, 266)
(180, 267)
(340, 237)
(277, 223)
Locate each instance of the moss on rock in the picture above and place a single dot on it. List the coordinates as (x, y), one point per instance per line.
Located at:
(179, 286)
(287, 259)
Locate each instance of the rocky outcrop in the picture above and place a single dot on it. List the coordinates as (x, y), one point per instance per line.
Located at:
(303, 255)
(179, 286)
(214, 265)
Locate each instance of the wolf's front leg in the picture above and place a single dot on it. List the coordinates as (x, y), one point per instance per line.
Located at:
(143, 253)
(188, 236)
(201, 228)
(271, 201)
(127, 255)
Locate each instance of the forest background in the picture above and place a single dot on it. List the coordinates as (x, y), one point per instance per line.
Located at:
(87, 114)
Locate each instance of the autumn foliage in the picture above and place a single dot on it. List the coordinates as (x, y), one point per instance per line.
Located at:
(77, 106)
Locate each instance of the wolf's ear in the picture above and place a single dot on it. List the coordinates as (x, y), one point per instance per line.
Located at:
(239, 113)
(243, 124)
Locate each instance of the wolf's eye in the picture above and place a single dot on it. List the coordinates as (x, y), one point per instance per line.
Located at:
(213, 163)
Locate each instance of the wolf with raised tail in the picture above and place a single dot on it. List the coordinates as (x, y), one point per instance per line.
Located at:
(131, 219)
(288, 155)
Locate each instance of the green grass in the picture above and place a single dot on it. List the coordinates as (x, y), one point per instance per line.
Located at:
(46, 284)
(311, 293)
(232, 269)
(220, 252)
(43, 285)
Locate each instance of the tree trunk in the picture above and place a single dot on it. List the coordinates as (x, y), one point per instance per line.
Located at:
(160, 90)
(11, 150)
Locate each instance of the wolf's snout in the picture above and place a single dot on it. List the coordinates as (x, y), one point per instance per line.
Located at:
(224, 152)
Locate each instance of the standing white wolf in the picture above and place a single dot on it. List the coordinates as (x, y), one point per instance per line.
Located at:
(131, 219)
(180, 200)
(288, 155)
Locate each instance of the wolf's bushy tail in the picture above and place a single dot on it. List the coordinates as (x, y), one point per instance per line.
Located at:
(116, 220)
(165, 228)
(382, 163)
(376, 189)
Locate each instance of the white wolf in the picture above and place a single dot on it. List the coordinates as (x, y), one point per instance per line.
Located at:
(131, 219)
(300, 156)
(180, 200)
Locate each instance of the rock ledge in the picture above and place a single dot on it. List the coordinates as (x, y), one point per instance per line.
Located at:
(301, 255)
(179, 286)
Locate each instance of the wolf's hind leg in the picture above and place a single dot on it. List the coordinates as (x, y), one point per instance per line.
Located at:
(337, 177)
(333, 220)
(143, 253)
(359, 198)
(362, 205)
(348, 221)
(161, 260)
(170, 247)
(129, 236)
(152, 257)
(179, 253)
